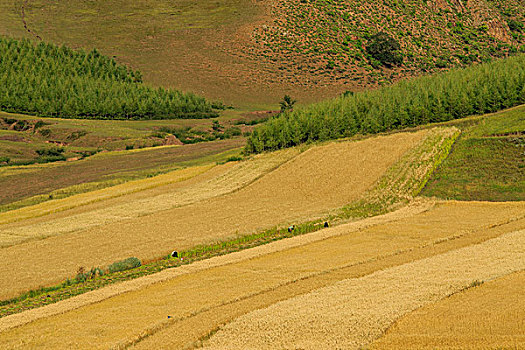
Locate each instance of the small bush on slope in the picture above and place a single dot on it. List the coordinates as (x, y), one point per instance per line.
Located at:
(456, 94)
(52, 81)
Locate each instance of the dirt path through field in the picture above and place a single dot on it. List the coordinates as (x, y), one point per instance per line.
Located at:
(200, 301)
(490, 316)
(24, 21)
(312, 184)
(352, 313)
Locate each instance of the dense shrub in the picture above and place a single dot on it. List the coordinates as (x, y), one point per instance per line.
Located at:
(126, 264)
(385, 49)
(52, 81)
(456, 94)
(50, 151)
(515, 26)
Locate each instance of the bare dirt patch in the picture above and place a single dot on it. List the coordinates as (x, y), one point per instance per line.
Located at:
(66, 174)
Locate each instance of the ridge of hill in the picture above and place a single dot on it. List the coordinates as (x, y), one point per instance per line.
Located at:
(329, 41)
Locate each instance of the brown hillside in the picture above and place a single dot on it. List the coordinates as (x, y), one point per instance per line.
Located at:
(250, 52)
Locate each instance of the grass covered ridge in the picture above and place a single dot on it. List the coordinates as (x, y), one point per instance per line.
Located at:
(456, 94)
(51, 81)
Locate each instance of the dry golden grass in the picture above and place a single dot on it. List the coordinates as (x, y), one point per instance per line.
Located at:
(311, 184)
(352, 313)
(200, 297)
(138, 198)
(491, 316)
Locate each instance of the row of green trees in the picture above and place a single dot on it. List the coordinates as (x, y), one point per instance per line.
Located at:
(455, 94)
(52, 81)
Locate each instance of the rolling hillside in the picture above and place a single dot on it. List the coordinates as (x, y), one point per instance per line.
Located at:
(251, 53)
(182, 307)
(153, 197)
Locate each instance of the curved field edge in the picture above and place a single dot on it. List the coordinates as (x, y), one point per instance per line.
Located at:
(405, 180)
(354, 312)
(486, 162)
(276, 244)
(309, 188)
(417, 161)
(63, 204)
(108, 169)
(489, 314)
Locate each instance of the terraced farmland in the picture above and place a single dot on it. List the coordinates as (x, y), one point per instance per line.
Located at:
(429, 251)
(312, 184)
(305, 291)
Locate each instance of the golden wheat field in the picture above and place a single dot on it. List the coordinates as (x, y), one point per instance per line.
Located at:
(353, 312)
(394, 263)
(490, 316)
(310, 184)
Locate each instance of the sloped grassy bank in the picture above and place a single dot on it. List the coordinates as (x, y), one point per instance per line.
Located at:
(479, 89)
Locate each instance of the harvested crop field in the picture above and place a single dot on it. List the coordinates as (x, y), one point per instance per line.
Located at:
(490, 316)
(137, 198)
(203, 296)
(310, 185)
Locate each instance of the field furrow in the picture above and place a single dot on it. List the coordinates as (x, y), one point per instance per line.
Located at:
(225, 179)
(489, 316)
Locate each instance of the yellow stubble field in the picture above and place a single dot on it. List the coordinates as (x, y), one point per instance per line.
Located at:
(490, 316)
(202, 300)
(352, 313)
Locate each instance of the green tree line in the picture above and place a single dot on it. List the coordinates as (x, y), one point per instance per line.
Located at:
(479, 89)
(56, 81)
